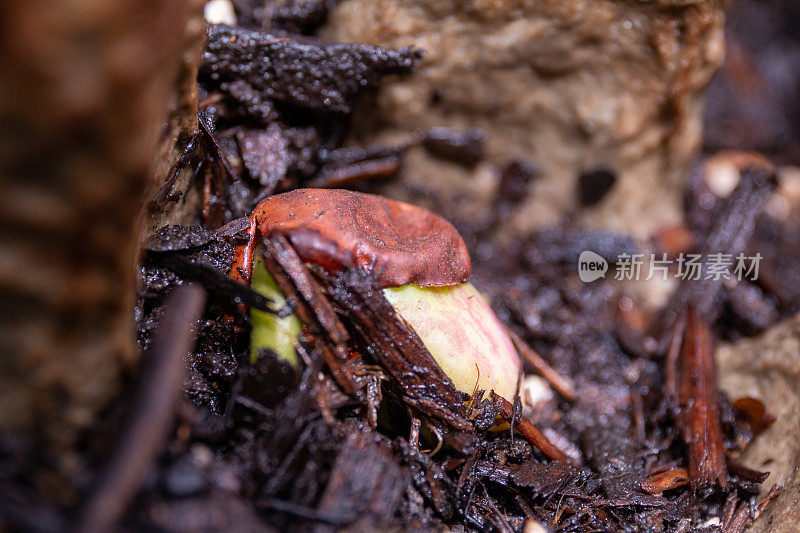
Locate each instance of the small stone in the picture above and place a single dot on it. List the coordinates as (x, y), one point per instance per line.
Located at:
(184, 479)
(220, 12)
(535, 391)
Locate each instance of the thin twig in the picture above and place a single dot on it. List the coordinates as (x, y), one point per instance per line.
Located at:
(745, 515)
(285, 255)
(356, 173)
(556, 380)
(164, 193)
(699, 418)
(152, 411)
(671, 361)
(529, 431)
(731, 231)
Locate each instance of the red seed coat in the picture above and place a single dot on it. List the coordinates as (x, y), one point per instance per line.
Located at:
(398, 243)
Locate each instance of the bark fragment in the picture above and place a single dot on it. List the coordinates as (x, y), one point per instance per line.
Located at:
(253, 68)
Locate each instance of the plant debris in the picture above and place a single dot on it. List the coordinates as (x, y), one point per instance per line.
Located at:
(151, 415)
(251, 68)
(466, 147)
(368, 432)
(698, 406)
(614, 458)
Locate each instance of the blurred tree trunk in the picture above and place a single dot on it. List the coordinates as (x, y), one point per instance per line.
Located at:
(90, 90)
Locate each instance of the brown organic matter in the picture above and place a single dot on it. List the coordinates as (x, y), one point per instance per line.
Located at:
(251, 67)
(699, 418)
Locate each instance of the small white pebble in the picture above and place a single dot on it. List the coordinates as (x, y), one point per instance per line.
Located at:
(532, 526)
(787, 196)
(220, 12)
(711, 522)
(535, 390)
(778, 208)
(722, 170)
(202, 455)
(722, 176)
(789, 184)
